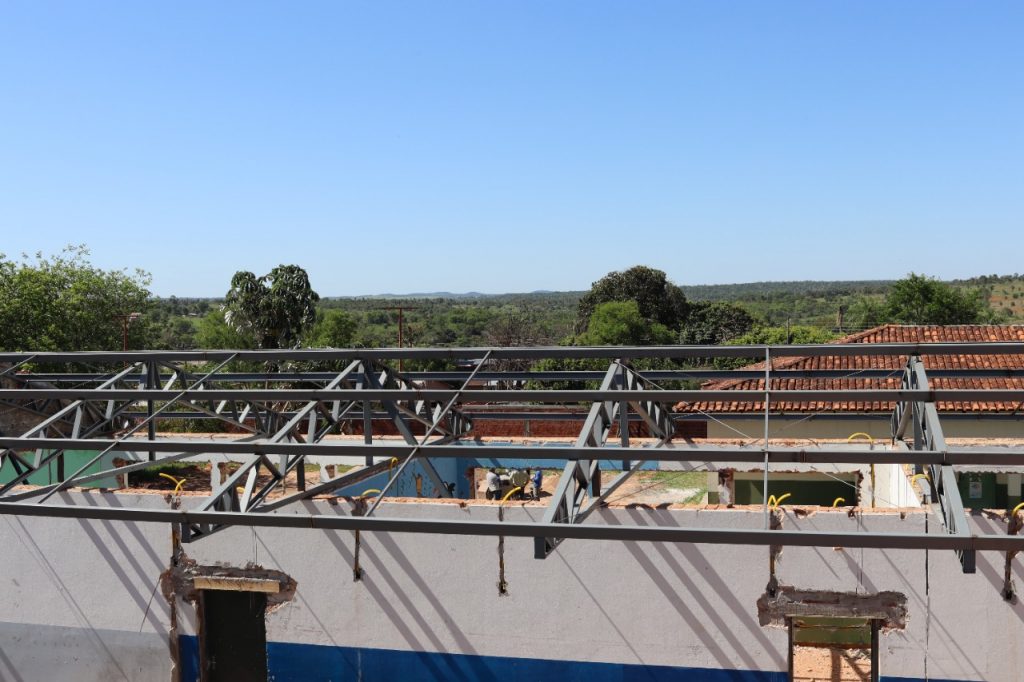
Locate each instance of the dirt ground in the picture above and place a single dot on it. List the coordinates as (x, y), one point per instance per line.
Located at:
(644, 487)
(824, 664)
(197, 478)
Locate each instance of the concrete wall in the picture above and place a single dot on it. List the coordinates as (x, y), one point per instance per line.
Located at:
(80, 600)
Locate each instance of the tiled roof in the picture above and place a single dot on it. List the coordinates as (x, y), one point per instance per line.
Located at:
(889, 333)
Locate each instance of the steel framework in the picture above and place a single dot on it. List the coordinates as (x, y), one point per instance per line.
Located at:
(284, 404)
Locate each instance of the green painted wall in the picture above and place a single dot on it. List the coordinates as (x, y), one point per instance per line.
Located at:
(803, 490)
(73, 460)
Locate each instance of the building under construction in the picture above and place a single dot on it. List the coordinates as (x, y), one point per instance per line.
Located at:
(336, 531)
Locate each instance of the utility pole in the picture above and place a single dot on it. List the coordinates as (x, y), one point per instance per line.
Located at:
(401, 324)
(126, 320)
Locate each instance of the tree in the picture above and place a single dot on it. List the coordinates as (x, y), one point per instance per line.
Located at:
(334, 329)
(780, 336)
(866, 313)
(214, 332)
(64, 303)
(657, 299)
(177, 334)
(274, 310)
(774, 336)
(619, 323)
(918, 299)
(713, 323)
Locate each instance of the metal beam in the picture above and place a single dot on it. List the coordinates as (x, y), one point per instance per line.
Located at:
(226, 497)
(928, 436)
(581, 478)
(530, 352)
(698, 374)
(821, 454)
(916, 541)
(535, 395)
(440, 414)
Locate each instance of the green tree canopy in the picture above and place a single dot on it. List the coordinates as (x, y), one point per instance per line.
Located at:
(64, 303)
(657, 299)
(273, 310)
(774, 336)
(780, 336)
(334, 329)
(918, 299)
(713, 323)
(619, 323)
(214, 332)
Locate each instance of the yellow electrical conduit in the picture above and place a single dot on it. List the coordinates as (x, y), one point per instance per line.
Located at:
(1017, 509)
(835, 502)
(178, 482)
(509, 494)
(774, 502)
(369, 491)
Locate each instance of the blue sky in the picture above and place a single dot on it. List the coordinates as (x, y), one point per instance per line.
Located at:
(514, 146)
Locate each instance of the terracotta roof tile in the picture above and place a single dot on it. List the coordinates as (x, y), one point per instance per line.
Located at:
(889, 333)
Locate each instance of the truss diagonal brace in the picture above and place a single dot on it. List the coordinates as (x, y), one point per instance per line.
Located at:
(582, 478)
(226, 497)
(924, 417)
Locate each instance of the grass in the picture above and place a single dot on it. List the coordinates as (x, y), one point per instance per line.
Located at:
(175, 469)
(339, 468)
(1009, 296)
(651, 481)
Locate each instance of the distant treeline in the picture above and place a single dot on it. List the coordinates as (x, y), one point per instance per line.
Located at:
(550, 317)
(769, 290)
(63, 302)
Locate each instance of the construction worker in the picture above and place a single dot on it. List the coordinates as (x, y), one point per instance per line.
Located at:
(538, 480)
(493, 484)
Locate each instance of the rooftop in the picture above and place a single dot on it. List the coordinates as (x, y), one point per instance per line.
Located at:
(857, 366)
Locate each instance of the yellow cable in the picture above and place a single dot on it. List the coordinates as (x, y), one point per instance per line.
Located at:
(371, 490)
(771, 501)
(178, 482)
(835, 502)
(778, 500)
(509, 494)
(1017, 509)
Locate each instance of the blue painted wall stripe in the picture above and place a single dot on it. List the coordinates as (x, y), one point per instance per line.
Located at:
(316, 663)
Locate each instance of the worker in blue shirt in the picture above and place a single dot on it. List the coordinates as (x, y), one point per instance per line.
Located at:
(538, 479)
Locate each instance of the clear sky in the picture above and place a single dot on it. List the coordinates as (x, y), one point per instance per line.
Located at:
(514, 146)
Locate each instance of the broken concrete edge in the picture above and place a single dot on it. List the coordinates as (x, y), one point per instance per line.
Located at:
(184, 581)
(890, 608)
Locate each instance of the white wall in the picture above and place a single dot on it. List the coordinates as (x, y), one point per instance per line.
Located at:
(79, 599)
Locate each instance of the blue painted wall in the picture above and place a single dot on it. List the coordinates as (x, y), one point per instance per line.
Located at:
(453, 471)
(314, 663)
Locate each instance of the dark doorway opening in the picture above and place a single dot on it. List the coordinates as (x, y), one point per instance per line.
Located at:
(233, 636)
